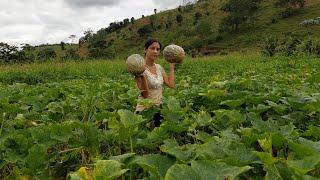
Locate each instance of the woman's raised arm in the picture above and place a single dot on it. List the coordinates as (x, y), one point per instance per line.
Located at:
(169, 80)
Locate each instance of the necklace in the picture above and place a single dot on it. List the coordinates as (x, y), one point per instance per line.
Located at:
(151, 65)
(152, 69)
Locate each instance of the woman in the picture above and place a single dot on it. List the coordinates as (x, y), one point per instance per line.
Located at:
(151, 81)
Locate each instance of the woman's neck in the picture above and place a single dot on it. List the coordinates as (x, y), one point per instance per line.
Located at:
(149, 62)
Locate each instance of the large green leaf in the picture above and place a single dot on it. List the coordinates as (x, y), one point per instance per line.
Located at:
(155, 164)
(203, 119)
(305, 177)
(208, 170)
(154, 138)
(123, 158)
(273, 172)
(301, 150)
(309, 143)
(61, 132)
(129, 119)
(181, 171)
(172, 110)
(228, 118)
(107, 169)
(266, 158)
(211, 150)
(213, 93)
(171, 147)
(305, 165)
(313, 131)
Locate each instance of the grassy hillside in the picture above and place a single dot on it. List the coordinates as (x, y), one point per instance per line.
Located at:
(206, 31)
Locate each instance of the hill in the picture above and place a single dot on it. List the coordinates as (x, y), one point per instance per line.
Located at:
(200, 28)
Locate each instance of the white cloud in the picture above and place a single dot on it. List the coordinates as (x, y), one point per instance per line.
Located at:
(40, 22)
(91, 3)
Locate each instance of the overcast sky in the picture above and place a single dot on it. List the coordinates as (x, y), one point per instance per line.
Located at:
(41, 21)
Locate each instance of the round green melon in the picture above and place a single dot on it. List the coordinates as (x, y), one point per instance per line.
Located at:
(135, 64)
(174, 53)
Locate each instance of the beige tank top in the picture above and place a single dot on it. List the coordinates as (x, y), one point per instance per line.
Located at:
(155, 83)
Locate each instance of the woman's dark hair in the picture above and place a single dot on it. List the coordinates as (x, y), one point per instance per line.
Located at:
(151, 41)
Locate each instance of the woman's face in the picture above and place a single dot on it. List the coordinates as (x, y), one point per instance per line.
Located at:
(153, 51)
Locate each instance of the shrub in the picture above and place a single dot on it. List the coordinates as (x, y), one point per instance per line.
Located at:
(219, 38)
(269, 46)
(289, 45)
(47, 53)
(273, 20)
(309, 47)
(145, 30)
(96, 53)
(71, 54)
(316, 47)
(288, 12)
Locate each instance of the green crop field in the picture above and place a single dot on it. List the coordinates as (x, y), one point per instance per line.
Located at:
(230, 117)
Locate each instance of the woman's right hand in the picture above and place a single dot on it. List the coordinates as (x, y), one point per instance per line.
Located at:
(142, 85)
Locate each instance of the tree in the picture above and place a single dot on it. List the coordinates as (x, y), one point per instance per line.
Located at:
(179, 18)
(10, 54)
(197, 17)
(62, 45)
(240, 11)
(132, 19)
(88, 34)
(126, 21)
(203, 28)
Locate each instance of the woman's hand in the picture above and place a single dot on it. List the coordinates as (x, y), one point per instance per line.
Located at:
(142, 85)
(138, 77)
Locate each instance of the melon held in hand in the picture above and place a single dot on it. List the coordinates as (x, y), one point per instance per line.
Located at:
(135, 64)
(174, 53)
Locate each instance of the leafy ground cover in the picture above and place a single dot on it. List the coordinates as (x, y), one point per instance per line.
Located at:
(230, 117)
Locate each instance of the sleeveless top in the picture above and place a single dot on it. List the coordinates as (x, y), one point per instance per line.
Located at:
(155, 82)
